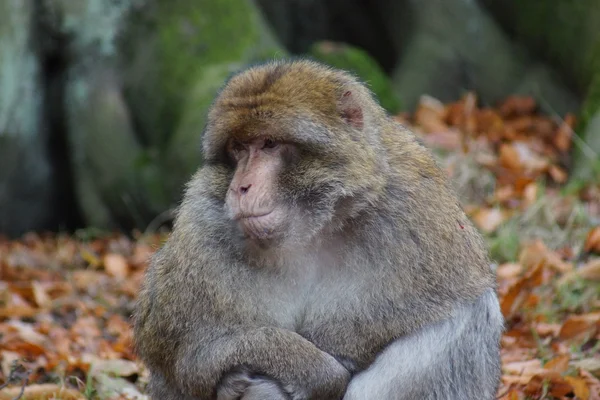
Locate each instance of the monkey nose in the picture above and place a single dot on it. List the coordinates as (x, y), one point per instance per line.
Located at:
(244, 188)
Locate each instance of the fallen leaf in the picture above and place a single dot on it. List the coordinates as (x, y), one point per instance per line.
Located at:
(489, 219)
(518, 292)
(580, 387)
(41, 392)
(509, 270)
(578, 324)
(592, 242)
(559, 364)
(517, 105)
(558, 174)
(590, 271)
(39, 293)
(563, 136)
(116, 265)
(527, 368)
(536, 252)
(589, 364)
(430, 114)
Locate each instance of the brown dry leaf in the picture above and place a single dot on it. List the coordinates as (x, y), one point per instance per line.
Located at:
(6, 360)
(40, 295)
(518, 293)
(530, 193)
(535, 385)
(517, 105)
(590, 271)
(468, 123)
(430, 115)
(592, 242)
(522, 125)
(527, 368)
(536, 252)
(543, 329)
(505, 194)
(44, 391)
(116, 265)
(508, 157)
(559, 364)
(589, 364)
(578, 324)
(558, 174)
(490, 122)
(593, 384)
(519, 156)
(559, 387)
(509, 271)
(564, 134)
(15, 306)
(83, 279)
(449, 139)
(141, 255)
(489, 219)
(580, 387)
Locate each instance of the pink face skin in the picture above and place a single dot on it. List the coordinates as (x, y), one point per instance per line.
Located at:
(251, 199)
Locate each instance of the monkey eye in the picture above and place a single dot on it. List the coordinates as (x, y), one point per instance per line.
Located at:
(269, 144)
(236, 146)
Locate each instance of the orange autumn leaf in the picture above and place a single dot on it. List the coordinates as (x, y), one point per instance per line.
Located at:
(592, 241)
(509, 157)
(509, 271)
(564, 134)
(527, 368)
(41, 391)
(536, 252)
(592, 383)
(559, 364)
(580, 387)
(518, 292)
(116, 265)
(578, 324)
(489, 219)
(558, 174)
(430, 115)
(517, 105)
(589, 271)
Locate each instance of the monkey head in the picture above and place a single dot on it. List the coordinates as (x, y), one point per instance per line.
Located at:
(299, 149)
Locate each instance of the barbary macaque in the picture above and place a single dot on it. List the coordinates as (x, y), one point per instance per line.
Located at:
(318, 253)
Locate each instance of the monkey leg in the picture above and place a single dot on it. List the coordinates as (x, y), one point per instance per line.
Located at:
(454, 359)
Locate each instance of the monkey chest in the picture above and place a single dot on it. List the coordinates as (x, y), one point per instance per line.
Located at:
(342, 317)
(348, 322)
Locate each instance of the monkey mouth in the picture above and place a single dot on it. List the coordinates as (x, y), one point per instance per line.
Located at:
(247, 216)
(259, 225)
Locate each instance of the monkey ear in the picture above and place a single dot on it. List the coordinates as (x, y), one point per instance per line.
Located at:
(351, 110)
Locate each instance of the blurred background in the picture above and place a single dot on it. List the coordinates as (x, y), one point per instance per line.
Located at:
(102, 102)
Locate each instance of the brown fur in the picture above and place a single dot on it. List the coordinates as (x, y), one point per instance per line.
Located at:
(387, 249)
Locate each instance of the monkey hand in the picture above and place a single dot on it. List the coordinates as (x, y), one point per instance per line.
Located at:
(243, 386)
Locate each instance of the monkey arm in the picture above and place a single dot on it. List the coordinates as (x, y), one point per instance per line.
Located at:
(300, 367)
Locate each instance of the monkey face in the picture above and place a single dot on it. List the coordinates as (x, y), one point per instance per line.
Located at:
(252, 199)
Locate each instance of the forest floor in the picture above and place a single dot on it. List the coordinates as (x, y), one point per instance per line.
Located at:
(66, 300)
